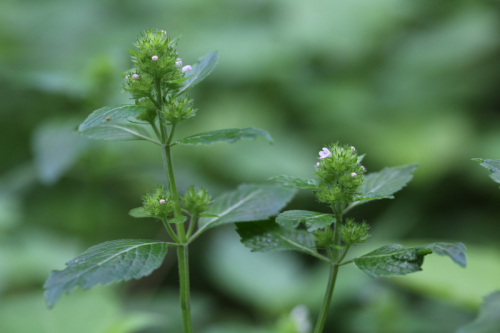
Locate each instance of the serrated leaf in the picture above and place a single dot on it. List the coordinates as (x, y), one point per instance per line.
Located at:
(268, 236)
(100, 116)
(105, 263)
(118, 132)
(303, 183)
(139, 212)
(312, 220)
(178, 219)
(493, 166)
(488, 320)
(246, 203)
(383, 184)
(395, 259)
(225, 135)
(200, 71)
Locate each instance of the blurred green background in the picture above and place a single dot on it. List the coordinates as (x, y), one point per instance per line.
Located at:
(403, 81)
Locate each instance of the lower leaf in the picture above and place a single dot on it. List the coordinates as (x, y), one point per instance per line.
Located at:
(105, 263)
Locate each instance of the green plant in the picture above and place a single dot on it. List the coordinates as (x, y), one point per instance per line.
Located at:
(342, 185)
(158, 83)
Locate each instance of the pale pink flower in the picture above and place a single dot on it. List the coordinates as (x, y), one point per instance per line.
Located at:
(186, 68)
(154, 58)
(324, 153)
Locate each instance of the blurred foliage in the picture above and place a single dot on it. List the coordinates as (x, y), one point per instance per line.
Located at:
(403, 81)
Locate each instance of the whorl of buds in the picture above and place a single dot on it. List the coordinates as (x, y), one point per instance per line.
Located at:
(354, 233)
(158, 204)
(196, 203)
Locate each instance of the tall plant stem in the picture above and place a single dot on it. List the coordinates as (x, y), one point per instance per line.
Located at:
(334, 268)
(182, 251)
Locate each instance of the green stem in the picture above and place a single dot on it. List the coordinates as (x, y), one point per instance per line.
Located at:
(192, 222)
(344, 254)
(182, 254)
(171, 232)
(334, 268)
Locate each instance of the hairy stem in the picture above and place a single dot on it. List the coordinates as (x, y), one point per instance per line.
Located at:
(182, 254)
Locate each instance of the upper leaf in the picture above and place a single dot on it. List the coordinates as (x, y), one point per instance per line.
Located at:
(395, 259)
(225, 135)
(200, 70)
(103, 115)
(105, 263)
(493, 166)
(268, 236)
(139, 212)
(312, 220)
(117, 132)
(383, 184)
(303, 183)
(488, 320)
(247, 203)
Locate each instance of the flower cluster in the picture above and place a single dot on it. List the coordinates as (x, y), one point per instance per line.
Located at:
(354, 233)
(339, 175)
(158, 204)
(178, 109)
(195, 203)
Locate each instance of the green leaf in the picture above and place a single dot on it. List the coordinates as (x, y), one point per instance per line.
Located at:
(139, 212)
(395, 259)
(200, 70)
(247, 203)
(105, 263)
(303, 183)
(100, 116)
(312, 220)
(268, 236)
(117, 132)
(493, 166)
(383, 184)
(208, 215)
(488, 320)
(225, 135)
(178, 219)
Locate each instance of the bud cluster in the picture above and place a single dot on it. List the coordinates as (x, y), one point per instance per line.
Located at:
(158, 204)
(178, 109)
(354, 233)
(196, 203)
(339, 175)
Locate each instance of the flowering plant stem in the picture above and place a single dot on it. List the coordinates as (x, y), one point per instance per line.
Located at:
(180, 237)
(335, 258)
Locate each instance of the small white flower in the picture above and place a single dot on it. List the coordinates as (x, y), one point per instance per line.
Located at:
(353, 174)
(162, 201)
(164, 32)
(352, 147)
(186, 68)
(363, 168)
(179, 62)
(324, 153)
(135, 76)
(126, 77)
(154, 58)
(317, 164)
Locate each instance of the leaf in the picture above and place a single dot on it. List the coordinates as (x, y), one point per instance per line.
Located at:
(488, 320)
(383, 184)
(225, 135)
(178, 219)
(303, 183)
(247, 203)
(493, 166)
(139, 212)
(200, 70)
(312, 220)
(105, 263)
(267, 237)
(100, 116)
(395, 259)
(117, 132)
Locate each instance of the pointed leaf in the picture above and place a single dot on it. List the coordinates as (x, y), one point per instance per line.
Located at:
(225, 135)
(268, 236)
(178, 219)
(395, 259)
(100, 116)
(493, 166)
(303, 183)
(247, 203)
(383, 184)
(200, 70)
(118, 132)
(312, 220)
(139, 212)
(105, 263)
(488, 320)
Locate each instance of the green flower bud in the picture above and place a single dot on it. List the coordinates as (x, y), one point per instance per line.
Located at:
(196, 203)
(354, 233)
(177, 110)
(158, 204)
(339, 175)
(324, 237)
